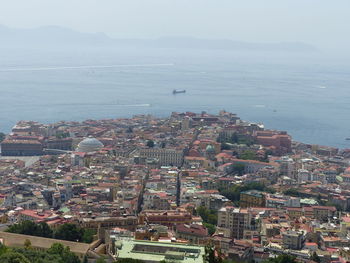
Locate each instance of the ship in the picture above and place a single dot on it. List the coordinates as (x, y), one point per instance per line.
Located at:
(175, 91)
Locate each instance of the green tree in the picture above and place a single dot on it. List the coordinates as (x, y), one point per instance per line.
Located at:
(150, 143)
(88, 235)
(13, 257)
(210, 255)
(284, 258)
(234, 138)
(129, 260)
(3, 249)
(70, 232)
(101, 260)
(44, 230)
(27, 244)
(225, 146)
(56, 254)
(207, 215)
(248, 155)
(211, 228)
(30, 228)
(56, 249)
(315, 257)
(234, 192)
(294, 192)
(64, 253)
(239, 168)
(62, 135)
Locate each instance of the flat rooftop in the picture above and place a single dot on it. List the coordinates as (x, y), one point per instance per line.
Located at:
(149, 251)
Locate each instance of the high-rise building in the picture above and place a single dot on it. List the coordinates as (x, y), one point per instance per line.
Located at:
(236, 220)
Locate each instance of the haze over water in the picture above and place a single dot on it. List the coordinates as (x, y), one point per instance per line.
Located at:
(305, 94)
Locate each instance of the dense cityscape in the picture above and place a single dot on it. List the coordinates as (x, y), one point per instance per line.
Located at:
(194, 187)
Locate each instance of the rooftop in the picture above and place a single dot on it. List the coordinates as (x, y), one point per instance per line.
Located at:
(158, 251)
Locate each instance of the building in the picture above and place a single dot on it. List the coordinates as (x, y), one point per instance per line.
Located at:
(167, 218)
(89, 144)
(165, 157)
(323, 213)
(235, 220)
(279, 141)
(35, 215)
(148, 251)
(240, 251)
(294, 212)
(252, 198)
(279, 201)
(293, 239)
(21, 147)
(250, 166)
(127, 222)
(186, 123)
(287, 167)
(214, 201)
(198, 162)
(194, 233)
(59, 144)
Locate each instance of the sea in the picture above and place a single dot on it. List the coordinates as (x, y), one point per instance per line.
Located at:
(306, 94)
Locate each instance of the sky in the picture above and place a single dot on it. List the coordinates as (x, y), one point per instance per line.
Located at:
(322, 23)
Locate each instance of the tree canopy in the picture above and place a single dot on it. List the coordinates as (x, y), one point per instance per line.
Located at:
(210, 218)
(32, 229)
(284, 258)
(248, 155)
(56, 254)
(234, 193)
(69, 232)
(211, 255)
(150, 143)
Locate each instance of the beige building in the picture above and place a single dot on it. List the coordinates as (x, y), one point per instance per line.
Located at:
(293, 240)
(252, 198)
(236, 220)
(127, 222)
(164, 156)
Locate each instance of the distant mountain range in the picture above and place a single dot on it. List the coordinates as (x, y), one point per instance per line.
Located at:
(55, 36)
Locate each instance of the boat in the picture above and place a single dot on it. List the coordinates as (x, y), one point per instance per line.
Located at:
(175, 91)
(348, 138)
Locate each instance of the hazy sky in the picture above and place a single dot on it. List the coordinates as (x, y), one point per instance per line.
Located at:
(324, 23)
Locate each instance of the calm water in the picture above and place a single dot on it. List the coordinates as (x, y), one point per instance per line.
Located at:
(307, 95)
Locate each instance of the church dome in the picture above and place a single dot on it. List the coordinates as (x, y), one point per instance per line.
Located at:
(89, 144)
(210, 149)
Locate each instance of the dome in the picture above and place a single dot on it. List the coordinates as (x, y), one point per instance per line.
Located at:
(89, 144)
(210, 149)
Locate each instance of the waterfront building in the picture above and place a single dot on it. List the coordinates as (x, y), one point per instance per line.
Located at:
(280, 142)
